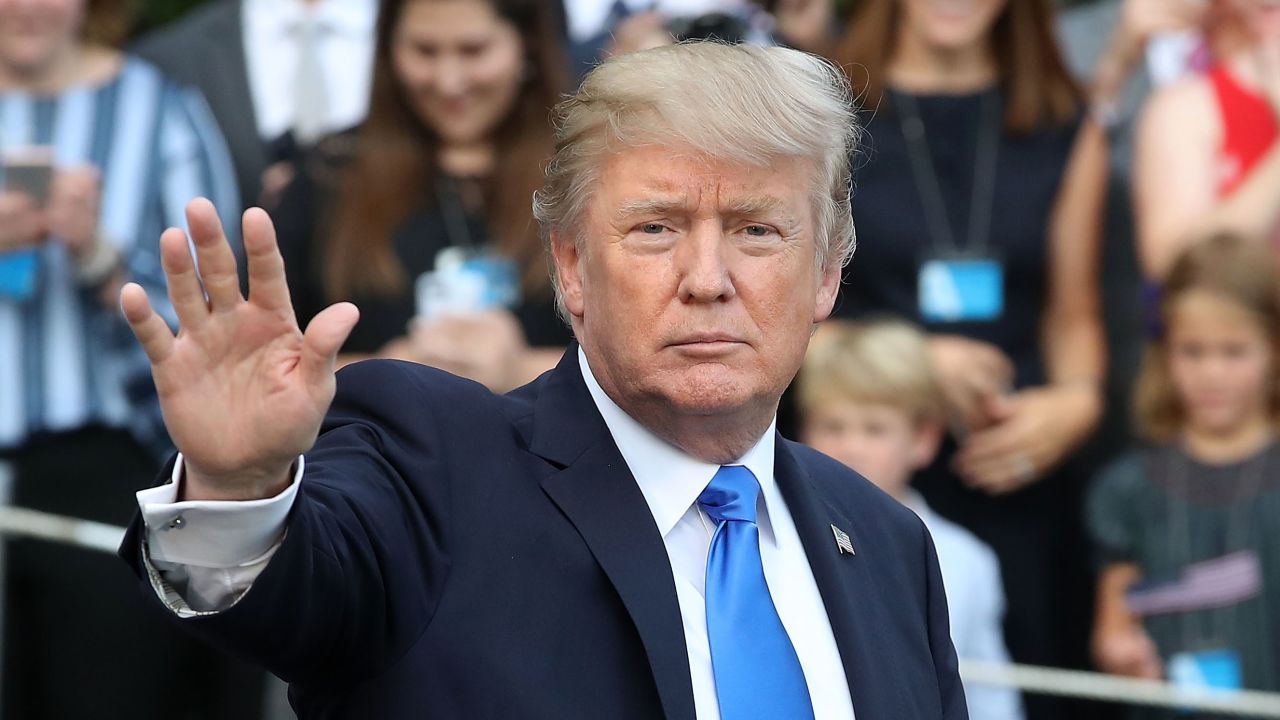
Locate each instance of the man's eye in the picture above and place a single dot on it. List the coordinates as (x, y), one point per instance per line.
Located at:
(758, 230)
(652, 228)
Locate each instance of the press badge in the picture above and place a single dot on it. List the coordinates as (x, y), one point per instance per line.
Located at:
(961, 289)
(467, 281)
(1207, 670)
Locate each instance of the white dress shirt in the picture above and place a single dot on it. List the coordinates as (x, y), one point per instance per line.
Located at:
(271, 56)
(975, 607)
(671, 482)
(202, 556)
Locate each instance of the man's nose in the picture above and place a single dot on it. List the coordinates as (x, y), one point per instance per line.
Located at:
(700, 262)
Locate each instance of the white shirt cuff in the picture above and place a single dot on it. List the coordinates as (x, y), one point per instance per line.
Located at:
(213, 533)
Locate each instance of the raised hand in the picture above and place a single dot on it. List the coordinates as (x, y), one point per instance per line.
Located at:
(242, 388)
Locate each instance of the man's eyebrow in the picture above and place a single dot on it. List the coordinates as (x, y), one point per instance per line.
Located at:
(762, 205)
(650, 206)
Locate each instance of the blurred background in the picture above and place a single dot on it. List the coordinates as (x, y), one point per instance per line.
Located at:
(1057, 341)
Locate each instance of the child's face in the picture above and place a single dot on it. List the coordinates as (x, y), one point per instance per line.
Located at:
(1220, 361)
(882, 442)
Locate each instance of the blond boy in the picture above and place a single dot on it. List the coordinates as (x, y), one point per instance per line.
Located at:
(868, 398)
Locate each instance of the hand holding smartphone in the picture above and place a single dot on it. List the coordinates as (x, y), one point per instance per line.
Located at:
(28, 170)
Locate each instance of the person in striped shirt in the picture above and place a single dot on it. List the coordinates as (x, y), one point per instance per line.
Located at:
(100, 153)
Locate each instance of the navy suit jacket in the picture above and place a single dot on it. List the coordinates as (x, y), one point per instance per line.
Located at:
(458, 554)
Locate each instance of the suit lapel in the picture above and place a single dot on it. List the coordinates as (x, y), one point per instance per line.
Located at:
(844, 581)
(228, 85)
(595, 490)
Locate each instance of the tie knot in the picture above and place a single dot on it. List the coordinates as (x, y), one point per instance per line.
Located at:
(731, 494)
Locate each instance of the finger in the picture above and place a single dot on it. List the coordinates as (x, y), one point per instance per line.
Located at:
(13, 203)
(999, 407)
(992, 478)
(268, 287)
(997, 368)
(216, 263)
(1002, 441)
(150, 329)
(184, 285)
(323, 339)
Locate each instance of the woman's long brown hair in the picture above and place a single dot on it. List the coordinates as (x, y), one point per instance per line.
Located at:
(1036, 85)
(396, 159)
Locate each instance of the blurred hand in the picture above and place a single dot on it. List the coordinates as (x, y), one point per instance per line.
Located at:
(487, 347)
(1128, 651)
(275, 179)
(1034, 430)
(75, 202)
(971, 373)
(243, 390)
(22, 222)
(805, 24)
(639, 32)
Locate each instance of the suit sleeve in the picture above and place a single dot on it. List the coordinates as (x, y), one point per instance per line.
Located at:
(945, 665)
(363, 561)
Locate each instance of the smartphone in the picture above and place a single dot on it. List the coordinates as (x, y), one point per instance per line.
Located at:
(28, 170)
(19, 273)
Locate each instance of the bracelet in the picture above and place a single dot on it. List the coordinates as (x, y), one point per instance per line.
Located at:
(99, 263)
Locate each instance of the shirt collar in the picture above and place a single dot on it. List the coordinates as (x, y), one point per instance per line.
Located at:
(275, 18)
(669, 478)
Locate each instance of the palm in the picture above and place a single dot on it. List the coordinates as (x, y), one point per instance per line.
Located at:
(243, 390)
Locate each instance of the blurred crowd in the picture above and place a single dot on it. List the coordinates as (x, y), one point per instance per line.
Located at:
(1057, 341)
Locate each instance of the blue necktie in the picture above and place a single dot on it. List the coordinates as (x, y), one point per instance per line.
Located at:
(756, 669)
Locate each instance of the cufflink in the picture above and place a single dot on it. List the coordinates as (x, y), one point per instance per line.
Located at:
(175, 524)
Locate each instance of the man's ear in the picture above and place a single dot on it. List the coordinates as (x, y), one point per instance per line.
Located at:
(568, 260)
(924, 447)
(828, 288)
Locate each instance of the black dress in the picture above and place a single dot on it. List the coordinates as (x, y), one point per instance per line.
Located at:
(1034, 531)
(417, 242)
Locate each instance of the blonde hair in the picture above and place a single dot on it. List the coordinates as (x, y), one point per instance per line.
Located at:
(1237, 269)
(882, 362)
(741, 103)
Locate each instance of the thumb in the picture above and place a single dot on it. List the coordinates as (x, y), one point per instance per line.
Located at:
(324, 338)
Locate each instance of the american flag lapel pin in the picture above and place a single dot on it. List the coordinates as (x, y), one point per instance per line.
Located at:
(842, 541)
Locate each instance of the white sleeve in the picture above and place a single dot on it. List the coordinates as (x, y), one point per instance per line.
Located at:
(990, 702)
(202, 555)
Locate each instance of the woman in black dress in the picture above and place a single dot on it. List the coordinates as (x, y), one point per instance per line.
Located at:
(421, 216)
(978, 208)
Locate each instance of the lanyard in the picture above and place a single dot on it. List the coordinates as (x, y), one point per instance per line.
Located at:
(1238, 526)
(450, 202)
(929, 188)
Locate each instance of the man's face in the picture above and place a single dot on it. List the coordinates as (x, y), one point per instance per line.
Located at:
(697, 285)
